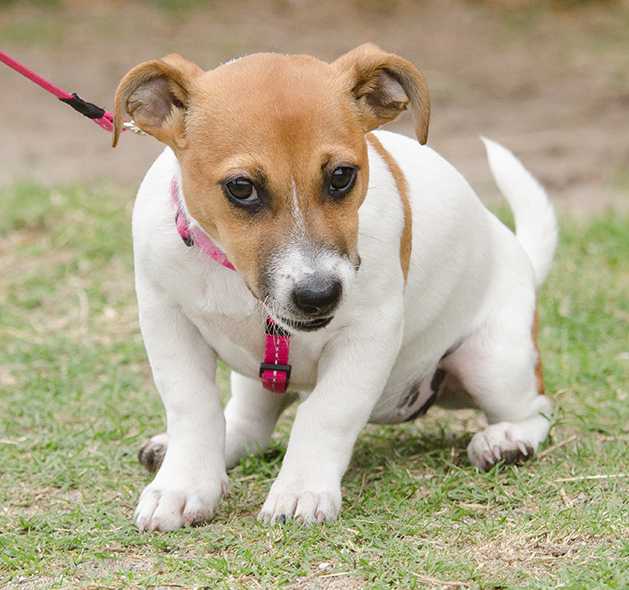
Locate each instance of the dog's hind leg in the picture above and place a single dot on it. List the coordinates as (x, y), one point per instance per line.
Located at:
(250, 415)
(500, 369)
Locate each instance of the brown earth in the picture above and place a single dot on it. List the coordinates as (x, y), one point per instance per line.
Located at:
(552, 85)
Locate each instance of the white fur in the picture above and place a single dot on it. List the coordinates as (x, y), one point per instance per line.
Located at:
(470, 290)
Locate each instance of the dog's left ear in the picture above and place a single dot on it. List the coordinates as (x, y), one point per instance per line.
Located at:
(382, 85)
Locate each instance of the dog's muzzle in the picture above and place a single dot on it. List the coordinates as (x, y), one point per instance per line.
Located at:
(304, 287)
(313, 302)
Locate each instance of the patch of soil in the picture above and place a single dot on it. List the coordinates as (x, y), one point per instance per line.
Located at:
(551, 86)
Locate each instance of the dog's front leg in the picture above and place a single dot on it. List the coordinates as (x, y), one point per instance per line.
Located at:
(352, 374)
(188, 485)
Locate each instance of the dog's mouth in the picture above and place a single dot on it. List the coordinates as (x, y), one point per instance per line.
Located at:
(305, 325)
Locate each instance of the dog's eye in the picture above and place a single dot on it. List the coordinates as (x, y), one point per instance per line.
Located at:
(342, 180)
(242, 190)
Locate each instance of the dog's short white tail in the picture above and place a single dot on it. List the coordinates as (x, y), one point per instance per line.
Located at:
(535, 220)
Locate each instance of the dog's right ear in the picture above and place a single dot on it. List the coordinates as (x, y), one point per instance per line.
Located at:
(156, 95)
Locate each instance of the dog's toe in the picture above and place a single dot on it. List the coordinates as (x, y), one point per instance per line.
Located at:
(151, 453)
(502, 442)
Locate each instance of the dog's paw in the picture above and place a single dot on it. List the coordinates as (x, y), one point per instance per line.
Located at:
(165, 507)
(500, 442)
(151, 453)
(305, 507)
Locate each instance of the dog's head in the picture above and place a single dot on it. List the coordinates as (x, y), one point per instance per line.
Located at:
(274, 161)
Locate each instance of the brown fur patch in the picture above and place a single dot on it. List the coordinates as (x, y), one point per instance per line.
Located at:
(406, 242)
(539, 370)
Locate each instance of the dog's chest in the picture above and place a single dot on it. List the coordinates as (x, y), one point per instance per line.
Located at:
(239, 342)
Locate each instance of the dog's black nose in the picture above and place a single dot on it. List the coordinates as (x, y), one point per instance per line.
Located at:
(317, 297)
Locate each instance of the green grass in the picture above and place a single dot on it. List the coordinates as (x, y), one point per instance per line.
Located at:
(77, 400)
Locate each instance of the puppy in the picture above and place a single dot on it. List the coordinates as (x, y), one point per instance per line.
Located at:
(320, 260)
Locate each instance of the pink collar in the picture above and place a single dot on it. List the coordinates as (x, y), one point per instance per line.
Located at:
(275, 370)
(195, 235)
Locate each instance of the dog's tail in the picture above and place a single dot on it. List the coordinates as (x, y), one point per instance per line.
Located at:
(535, 220)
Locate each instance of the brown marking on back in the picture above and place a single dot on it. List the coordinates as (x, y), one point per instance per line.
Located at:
(406, 242)
(539, 370)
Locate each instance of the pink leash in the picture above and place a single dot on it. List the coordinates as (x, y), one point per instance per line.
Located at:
(275, 370)
(91, 111)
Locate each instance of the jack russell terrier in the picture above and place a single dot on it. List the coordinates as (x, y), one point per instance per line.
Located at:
(318, 259)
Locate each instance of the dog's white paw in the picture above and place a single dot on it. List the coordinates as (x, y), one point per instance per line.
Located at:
(501, 442)
(306, 507)
(180, 502)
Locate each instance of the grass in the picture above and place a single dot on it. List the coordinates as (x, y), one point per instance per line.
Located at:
(77, 400)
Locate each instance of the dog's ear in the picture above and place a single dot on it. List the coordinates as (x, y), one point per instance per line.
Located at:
(156, 95)
(383, 85)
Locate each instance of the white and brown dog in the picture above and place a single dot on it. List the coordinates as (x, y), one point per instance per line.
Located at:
(366, 252)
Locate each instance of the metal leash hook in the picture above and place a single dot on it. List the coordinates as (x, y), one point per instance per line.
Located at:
(131, 126)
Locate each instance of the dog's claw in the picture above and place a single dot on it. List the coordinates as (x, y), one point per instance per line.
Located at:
(526, 451)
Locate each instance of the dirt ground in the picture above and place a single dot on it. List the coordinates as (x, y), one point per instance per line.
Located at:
(552, 85)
